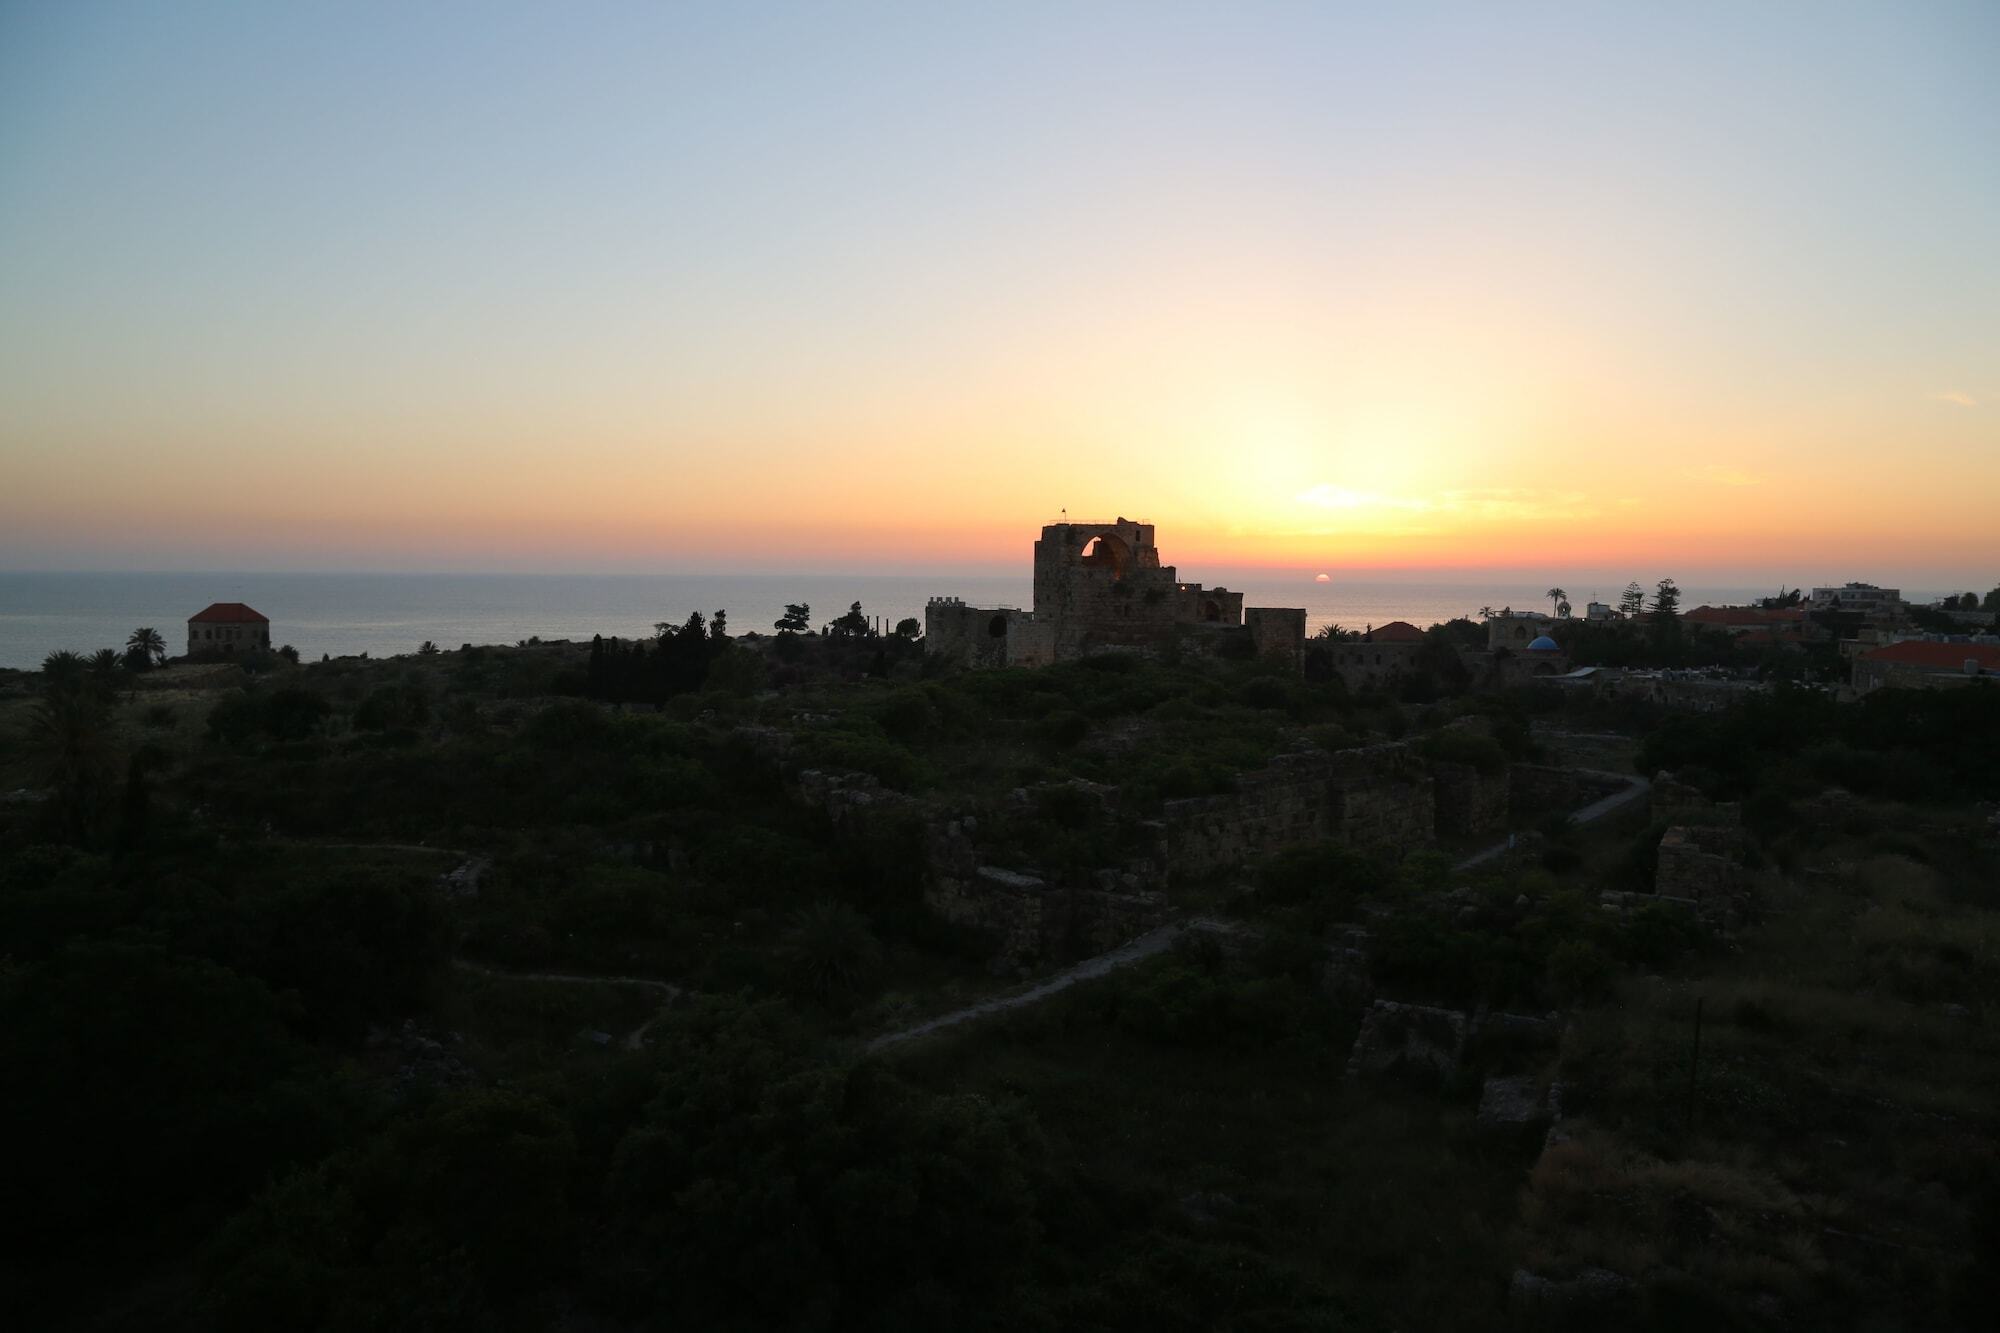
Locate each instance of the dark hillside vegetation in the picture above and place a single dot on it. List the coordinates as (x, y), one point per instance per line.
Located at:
(451, 991)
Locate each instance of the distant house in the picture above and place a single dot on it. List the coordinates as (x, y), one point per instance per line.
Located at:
(228, 627)
(1515, 630)
(1754, 626)
(1930, 664)
(1381, 654)
(1867, 599)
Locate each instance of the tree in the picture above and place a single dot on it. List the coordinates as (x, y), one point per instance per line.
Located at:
(149, 642)
(291, 654)
(1556, 597)
(830, 953)
(427, 649)
(852, 625)
(718, 625)
(1666, 601)
(104, 664)
(797, 618)
(1992, 602)
(1633, 600)
(1486, 613)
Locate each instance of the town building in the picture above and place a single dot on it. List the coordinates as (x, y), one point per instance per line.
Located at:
(1929, 663)
(1515, 630)
(226, 628)
(1101, 587)
(1756, 626)
(1382, 654)
(1866, 599)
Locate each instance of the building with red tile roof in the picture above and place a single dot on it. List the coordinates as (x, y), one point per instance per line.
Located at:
(1928, 664)
(228, 627)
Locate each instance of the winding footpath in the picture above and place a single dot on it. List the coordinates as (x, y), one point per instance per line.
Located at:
(1635, 789)
(1135, 950)
(1157, 940)
(635, 1038)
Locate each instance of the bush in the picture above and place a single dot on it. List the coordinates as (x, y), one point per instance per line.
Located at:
(1458, 746)
(1579, 972)
(393, 708)
(1062, 731)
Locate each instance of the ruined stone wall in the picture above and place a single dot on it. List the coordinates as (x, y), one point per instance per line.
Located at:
(1278, 632)
(1700, 863)
(1467, 801)
(1383, 798)
(1540, 789)
(963, 634)
(986, 636)
(1287, 802)
(1374, 797)
(1006, 906)
(1677, 802)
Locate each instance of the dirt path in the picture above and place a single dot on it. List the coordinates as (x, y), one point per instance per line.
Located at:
(1132, 951)
(1635, 788)
(633, 1039)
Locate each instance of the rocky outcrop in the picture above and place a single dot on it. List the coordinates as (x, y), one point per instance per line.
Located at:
(1584, 1299)
(1515, 1104)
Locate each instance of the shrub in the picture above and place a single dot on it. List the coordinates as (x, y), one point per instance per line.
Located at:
(1458, 746)
(1061, 731)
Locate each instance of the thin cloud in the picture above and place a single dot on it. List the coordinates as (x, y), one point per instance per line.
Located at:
(1958, 398)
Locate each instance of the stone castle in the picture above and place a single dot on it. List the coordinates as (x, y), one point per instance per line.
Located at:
(1100, 587)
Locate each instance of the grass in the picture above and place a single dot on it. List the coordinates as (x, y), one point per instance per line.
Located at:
(1842, 1111)
(1383, 1197)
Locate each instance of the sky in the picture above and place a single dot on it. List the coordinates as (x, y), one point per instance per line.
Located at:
(1638, 289)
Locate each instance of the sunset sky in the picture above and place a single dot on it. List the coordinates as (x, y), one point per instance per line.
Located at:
(1662, 287)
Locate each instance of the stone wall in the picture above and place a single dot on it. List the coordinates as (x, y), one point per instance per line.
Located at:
(1287, 802)
(1376, 797)
(988, 636)
(1467, 801)
(1278, 632)
(1539, 789)
(1700, 863)
(1677, 802)
(1384, 798)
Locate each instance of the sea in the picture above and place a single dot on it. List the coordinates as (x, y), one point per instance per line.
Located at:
(382, 614)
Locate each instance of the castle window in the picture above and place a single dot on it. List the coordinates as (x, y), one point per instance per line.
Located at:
(997, 627)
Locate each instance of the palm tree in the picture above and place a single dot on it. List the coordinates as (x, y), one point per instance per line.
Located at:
(1557, 596)
(1486, 613)
(62, 669)
(149, 641)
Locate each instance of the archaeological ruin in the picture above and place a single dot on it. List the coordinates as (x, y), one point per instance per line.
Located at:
(1101, 587)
